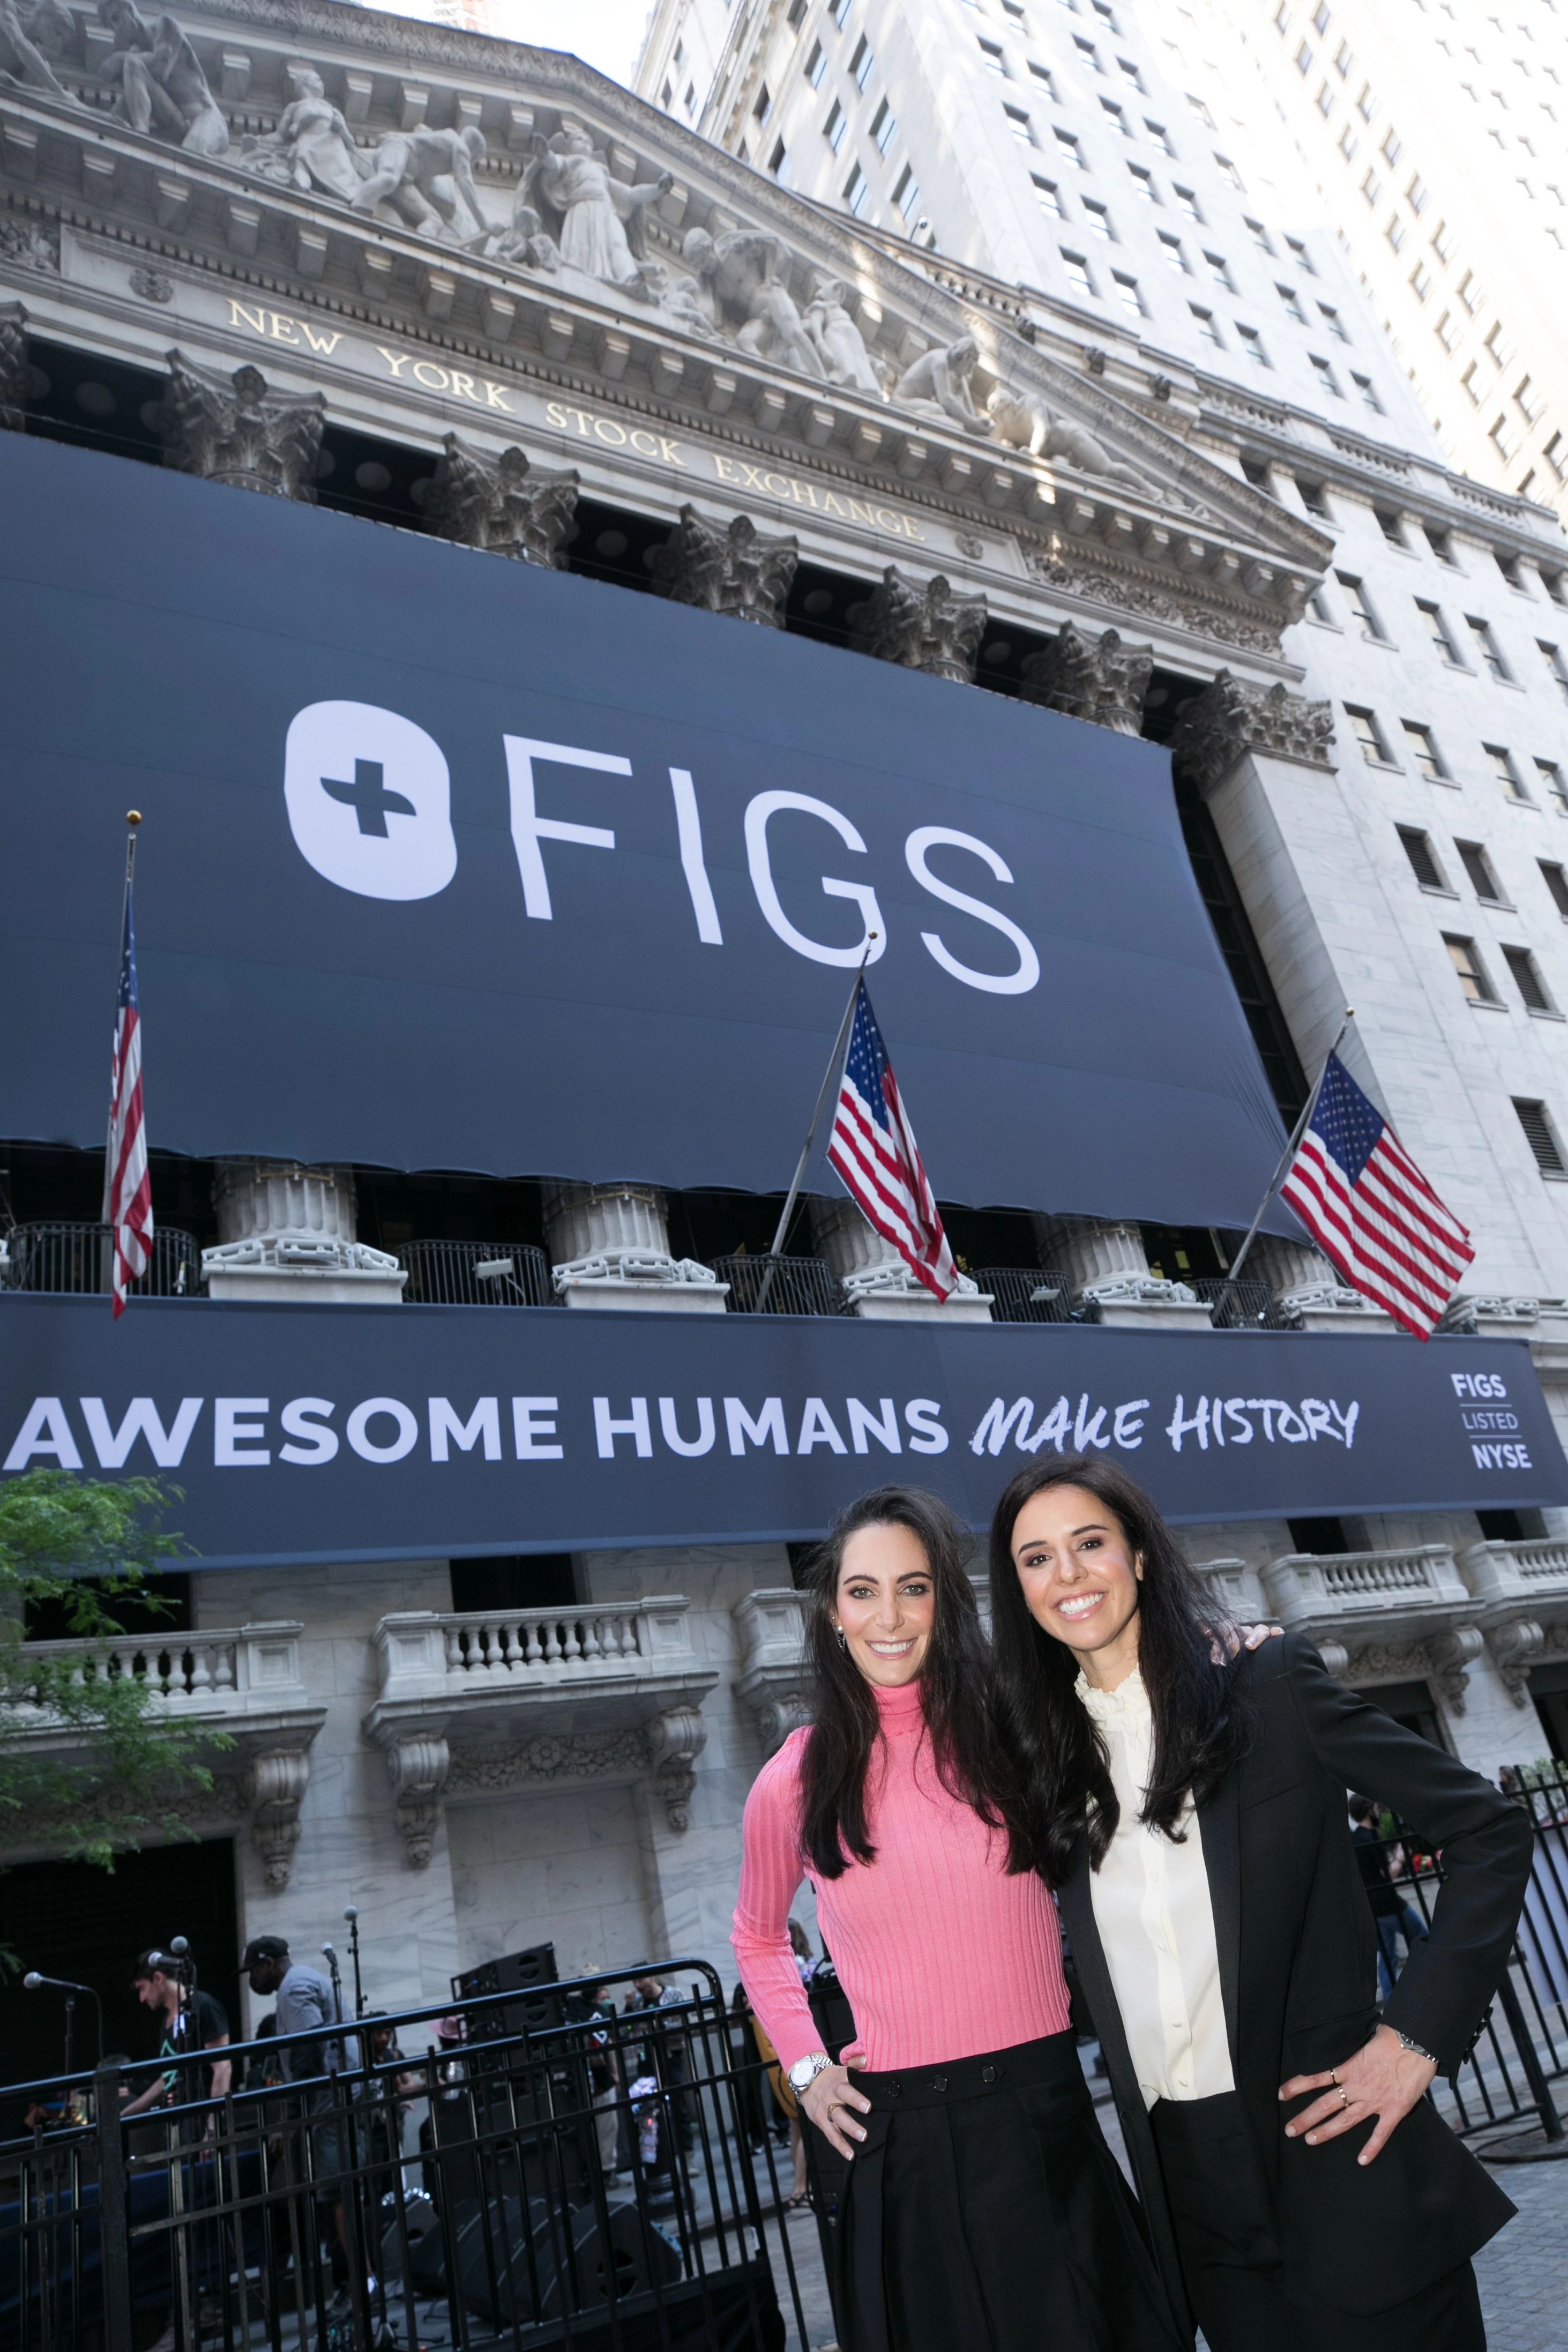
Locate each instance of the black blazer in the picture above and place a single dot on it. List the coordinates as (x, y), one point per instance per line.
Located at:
(1297, 1971)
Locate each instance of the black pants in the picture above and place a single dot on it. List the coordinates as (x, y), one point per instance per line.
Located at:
(1231, 2264)
(986, 2213)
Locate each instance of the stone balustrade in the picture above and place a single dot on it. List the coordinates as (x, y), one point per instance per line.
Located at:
(1381, 1616)
(1522, 1593)
(485, 1702)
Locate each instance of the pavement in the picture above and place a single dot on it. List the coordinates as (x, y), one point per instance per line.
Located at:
(1523, 2273)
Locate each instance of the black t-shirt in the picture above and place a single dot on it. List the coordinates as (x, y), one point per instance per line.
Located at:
(201, 2020)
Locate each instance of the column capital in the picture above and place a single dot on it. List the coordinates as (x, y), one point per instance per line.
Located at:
(1230, 719)
(1103, 678)
(733, 569)
(503, 504)
(932, 628)
(232, 429)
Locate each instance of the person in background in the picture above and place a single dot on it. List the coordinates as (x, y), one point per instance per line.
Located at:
(197, 2022)
(1391, 1915)
(306, 2003)
(603, 2077)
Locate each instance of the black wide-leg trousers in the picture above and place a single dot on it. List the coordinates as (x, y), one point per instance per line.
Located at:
(1231, 2264)
(985, 2213)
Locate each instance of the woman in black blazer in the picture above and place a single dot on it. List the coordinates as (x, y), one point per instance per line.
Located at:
(1191, 1816)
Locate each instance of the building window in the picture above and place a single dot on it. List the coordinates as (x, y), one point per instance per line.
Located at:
(778, 165)
(1089, 56)
(1071, 151)
(1504, 437)
(1348, 143)
(1345, 57)
(1050, 200)
(1472, 971)
(1551, 779)
(1219, 271)
(1556, 882)
(1231, 173)
(1441, 545)
(1394, 231)
(1097, 216)
(1482, 880)
(1077, 276)
(1470, 291)
(1437, 630)
(1421, 281)
(1508, 566)
(1259, 236)
(1127, 294)
(1171, 247)
(1325, 375)
(1186, 202)
(1422, 745)
(1552, 656)
(995, 61)
(1129, 74)
(815, 64)
(1206, 326)
(1500, 349)
(1019, 124)
(1448, 330)
(1416, 194)
(1289, 297)
(833, 128)
(1201, 110)
(1485, 649)
(1555, 584)
(1391, 149)
(1304, 58)
(1160, 135)
(840, 12)
(1391, 524)
(1144, 183)
(884, 123)
(1528, 401)
(1252, 344)
(1443, 242)
(1503, 768)
(764, 105)
(1314, 497)
(1541, 1135)
(862, 61)
(1325, 100)
(857, 188)
(1368, 391)
(907, 195)
(1115, 117)
(1366, 104)
(1367, 733)
(1318, 605)
(1423, 864)
(1042, 74)
(1363, 608)
(1370, 186)
(1556, 456)
(1334, 323)
(1526, 976)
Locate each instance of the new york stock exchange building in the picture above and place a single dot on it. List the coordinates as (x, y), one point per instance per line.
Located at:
(664, 595)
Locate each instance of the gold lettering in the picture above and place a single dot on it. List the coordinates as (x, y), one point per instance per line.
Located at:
(554, 414)
(912, 529)
(425, 369)
(781, 482)
(830, 505)
(493, 399)
(810, 496)
(319, 342)
(890, 521)
(754, 479)
(255, 320)
(861, 512)
(585, 422)
(607, 429)
(464, 385)
(669, 451)
(284, 328)
(394, 360)
(645, 444)
(723, 467)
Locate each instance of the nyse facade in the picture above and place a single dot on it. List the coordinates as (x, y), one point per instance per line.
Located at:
(408, 274)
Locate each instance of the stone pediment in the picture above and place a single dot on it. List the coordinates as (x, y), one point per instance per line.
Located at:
(516, 204)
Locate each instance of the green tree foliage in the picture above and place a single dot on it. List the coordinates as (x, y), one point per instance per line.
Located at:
(89, 1759)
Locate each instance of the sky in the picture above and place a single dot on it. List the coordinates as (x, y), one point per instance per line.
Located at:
(604, 33)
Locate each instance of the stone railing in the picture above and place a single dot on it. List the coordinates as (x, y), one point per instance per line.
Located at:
(243, 1682)
(1522, 1593)
(770, 1626)
(1381, 1616)
(488, 1701)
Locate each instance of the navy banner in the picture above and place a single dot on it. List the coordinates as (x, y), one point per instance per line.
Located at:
(455, 863)
(336, 1433)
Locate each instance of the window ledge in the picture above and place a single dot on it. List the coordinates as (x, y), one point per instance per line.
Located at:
(1486, 1004)
(1552, 1175)
(1544, 1012)
(1430, 890)
(1385, 767)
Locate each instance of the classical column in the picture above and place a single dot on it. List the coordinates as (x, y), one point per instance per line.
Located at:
(1108, 1268)
(879, 1284)
(1102, 679)
(232, 429)
(609, 1246)
(14, 374)
(503, 504)
(1230, 720)
(735, 570)
(932, 628)
(1308, 1289)
(287, 1233)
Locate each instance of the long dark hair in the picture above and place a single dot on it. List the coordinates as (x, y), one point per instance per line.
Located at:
(1201, 1724)
(955, 1688)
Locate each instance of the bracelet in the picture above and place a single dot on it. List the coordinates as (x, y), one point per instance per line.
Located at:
(1405, 2043)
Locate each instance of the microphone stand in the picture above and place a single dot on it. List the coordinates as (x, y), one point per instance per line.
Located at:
(351, 1915)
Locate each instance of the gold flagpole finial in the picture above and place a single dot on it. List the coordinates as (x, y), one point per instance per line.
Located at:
(132, 817)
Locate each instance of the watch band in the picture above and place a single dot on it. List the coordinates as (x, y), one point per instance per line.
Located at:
(1405, 2043)
(804, 2071)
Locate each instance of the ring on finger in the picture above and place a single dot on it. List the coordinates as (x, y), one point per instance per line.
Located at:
(1345, 2096)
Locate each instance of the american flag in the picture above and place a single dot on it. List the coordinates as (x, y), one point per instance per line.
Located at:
(873, 1147)
(1371, 1211)
(127, 1186)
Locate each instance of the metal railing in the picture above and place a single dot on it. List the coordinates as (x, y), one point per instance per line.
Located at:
(1026, 1294)
(78, 1256)
(1238, 1305)
(780, 1285)
(598, 2180)
(476, 1273)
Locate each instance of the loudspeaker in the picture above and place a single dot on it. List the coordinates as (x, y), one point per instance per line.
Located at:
(520, 2265)
(515, 1972)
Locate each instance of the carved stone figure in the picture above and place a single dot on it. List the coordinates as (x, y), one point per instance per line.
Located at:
(1230, 719)
(735, 570)
(938, 385)
(15, 372)
(232, 429)
(30, 246)
(744, 272)
(501, 504)
(931, 628)
(1102, 678)
(525, 240)
(163, 88)
(686, 302)
(1023, 424)
(426, 178)
(838, 341)
(312, 147)
(597, 220)
(31, 33)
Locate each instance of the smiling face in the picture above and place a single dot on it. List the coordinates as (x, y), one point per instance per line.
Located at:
(1080, 1579)
(885, 1603)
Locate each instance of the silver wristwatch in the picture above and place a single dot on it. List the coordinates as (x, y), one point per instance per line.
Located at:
(1405, 2043)
(804, 2071)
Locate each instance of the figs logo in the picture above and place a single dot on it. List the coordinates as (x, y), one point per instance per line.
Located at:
(369, 800)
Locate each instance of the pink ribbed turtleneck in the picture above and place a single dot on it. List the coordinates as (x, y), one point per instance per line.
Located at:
(941, 1952)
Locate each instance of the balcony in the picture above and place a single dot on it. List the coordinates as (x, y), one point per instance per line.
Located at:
(486, 1703)
(73, 1256)
(1381, 1616)
(243, 1682)
(1522, 1593)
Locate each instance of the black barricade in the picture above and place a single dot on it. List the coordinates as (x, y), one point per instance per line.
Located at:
(608, 2183)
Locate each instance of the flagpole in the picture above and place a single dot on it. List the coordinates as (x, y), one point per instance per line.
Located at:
(793, 1195)
(132, 819)
(1288, 1154)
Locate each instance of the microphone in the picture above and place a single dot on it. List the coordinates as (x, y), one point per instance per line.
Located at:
(352, 1913)
(328, 1951)
(180, 1946)
(34, 1982)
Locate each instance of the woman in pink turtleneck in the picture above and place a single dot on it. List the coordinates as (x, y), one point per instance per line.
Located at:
(984, 2212)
